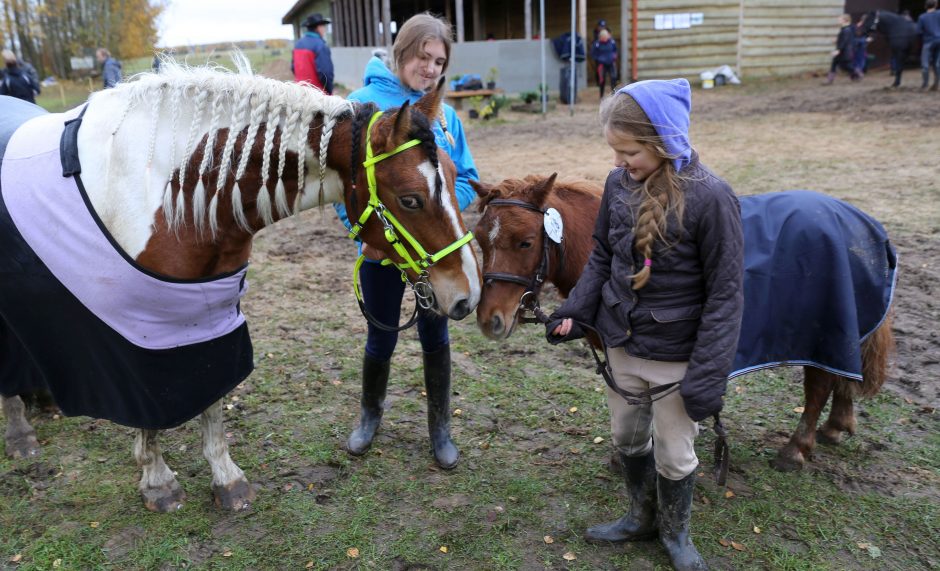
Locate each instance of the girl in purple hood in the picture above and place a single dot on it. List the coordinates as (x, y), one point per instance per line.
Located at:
(663, 287)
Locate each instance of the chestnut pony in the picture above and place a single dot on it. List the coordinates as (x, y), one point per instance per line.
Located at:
(510, 234)
(174, 173)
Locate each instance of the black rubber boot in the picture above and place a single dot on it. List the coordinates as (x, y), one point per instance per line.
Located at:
(437, 385)
(926, 77)
(374, 384)
(830, 77)
(639, 522)
(675, 510)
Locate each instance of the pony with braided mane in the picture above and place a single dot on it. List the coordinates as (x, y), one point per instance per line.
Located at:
(127, 224)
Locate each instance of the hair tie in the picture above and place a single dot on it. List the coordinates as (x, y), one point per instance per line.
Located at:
(648, 262)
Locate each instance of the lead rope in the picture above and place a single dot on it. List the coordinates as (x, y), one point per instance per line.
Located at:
(722, 450)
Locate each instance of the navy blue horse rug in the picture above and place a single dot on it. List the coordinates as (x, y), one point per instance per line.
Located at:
(78, 316)
(819, 278)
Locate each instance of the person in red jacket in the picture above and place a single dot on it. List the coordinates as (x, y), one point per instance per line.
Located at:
(311, 61)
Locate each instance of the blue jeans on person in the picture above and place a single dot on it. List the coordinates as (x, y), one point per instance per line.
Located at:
(382, 292)
(930, 58)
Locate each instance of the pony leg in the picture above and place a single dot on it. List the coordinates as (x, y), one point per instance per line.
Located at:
(841, 416)
(817, 386)
(20, 437)
(158, 486)
(229, 486)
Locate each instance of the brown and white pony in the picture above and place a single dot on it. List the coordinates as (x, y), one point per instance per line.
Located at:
(185, 166)
(511, 238)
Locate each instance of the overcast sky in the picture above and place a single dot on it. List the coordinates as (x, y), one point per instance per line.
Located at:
(208, 21)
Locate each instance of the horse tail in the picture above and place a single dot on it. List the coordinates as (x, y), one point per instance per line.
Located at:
(877, 349)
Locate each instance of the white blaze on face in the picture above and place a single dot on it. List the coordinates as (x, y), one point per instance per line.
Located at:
(468, 261)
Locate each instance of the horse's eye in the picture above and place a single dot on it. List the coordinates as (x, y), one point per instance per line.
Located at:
(411, 202)
(525, 244)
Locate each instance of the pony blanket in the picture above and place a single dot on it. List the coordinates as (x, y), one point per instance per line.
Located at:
(819, 278)
(78, 316)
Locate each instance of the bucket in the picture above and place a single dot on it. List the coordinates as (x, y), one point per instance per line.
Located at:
(708, 79)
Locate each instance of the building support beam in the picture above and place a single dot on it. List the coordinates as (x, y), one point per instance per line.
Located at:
(528, 19)
(582, 22)
(477, 25)
(624, 49)
(376, 39)
(387, 25)
(460, 23)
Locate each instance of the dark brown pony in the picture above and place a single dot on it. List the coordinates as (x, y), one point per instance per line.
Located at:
(511, 239)
(182, 168)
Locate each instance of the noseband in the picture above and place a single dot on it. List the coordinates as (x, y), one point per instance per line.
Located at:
(529, 301)
(424, 293)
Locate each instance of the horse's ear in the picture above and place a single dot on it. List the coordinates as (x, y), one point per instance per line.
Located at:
(540, 191)
(430, 104)
(484, 191)
(399, 133)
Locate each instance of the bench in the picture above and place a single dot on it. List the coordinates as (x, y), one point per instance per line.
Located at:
(455, 98)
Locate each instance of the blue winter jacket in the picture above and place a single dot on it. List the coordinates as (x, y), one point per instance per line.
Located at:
(382, 87)
(604, 52)
(928, 25)
(111, 72)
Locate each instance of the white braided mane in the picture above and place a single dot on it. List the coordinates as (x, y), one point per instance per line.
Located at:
(194, 102)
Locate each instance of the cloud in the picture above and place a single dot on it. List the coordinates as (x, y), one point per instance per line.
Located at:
(195, 22)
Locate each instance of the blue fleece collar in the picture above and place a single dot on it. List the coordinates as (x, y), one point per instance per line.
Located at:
(667, 103)
(381, 78)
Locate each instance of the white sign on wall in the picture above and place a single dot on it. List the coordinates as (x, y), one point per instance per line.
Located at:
(677, 21)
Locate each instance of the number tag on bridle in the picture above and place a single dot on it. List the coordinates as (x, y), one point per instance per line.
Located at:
(553, 225)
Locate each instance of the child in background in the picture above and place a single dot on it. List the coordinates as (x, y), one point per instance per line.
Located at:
(844, 54)
(664, 289)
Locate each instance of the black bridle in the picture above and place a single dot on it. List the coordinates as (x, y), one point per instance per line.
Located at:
(530, 302)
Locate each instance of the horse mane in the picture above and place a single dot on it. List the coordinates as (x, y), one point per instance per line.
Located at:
(218, 99)
(566, 189)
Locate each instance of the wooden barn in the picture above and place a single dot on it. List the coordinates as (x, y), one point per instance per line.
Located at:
(657, 38)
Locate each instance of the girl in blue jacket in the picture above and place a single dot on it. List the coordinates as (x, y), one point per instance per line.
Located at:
(420, 57)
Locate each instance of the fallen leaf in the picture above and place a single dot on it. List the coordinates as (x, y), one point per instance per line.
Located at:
(573, 409)
(598, 440)
(799, 409)
(706, 501)
(569, 556)
(874, 552)
(336, 382)
(863, 545)
(309, 565)
(598, 390)
(457, 412)
(729, 494)
(574, 451)
(757, 529)
(93, 524)
(309, 487)
(548, 539)
(443, 549)
(16, 558)
(739, 389)
(352, 553)
(229, 406)
(227, 553)
(737, 546)
(57, 563)
(56, 417)
(270, 355)
(724, 542)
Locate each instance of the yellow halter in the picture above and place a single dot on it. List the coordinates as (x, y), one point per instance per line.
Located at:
(393, 229)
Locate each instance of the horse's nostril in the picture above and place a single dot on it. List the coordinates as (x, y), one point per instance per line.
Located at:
(461, 309)
(497, 325)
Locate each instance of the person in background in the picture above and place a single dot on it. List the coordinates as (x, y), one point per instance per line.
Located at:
(843, 56)
(15, 81)
(664, 289)
(604, 54)
(928, 26)
(312, 62)
(601, 25)
(110, 68)
(420, 56)
(862, 39)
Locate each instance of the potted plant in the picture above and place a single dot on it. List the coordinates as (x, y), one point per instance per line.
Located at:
(491, 78)
(474, 103)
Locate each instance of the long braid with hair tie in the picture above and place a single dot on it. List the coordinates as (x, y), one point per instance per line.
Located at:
(443, 119)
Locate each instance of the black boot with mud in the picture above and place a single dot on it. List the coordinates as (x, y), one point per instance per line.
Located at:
(437, 384)
(675, 511)
(639, 523)
(374, 385)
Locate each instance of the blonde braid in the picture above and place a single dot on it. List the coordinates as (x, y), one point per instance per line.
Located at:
(443, 119)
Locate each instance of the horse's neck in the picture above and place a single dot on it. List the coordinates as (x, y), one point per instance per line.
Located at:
(578, 211)
(127, 161)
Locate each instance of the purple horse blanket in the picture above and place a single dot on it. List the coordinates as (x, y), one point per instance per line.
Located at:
(79, 317)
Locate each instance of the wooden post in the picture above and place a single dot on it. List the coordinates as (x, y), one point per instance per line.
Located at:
(387, 24)
(624, 51)
(582, 21)
(477, 25)
(337, 28)
(356, 21)
(528, 19)
(459, 9)
(740, 38)
(376, 40)
(347, 24)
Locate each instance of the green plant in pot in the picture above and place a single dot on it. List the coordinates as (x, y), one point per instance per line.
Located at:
(491, 78)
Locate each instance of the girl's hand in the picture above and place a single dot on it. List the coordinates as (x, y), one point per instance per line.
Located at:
(564, 328)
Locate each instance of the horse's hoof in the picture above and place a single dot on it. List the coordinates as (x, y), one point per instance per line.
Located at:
(24, 447)
(831, 436)
(164, 499)
(235, 496)
(787, 463)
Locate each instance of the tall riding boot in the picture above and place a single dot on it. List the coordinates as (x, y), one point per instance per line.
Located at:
(926, 76)
(639, 522)
(936, 80)
(374, 384)
(437, 385)
(675, 510)
(830, 78)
